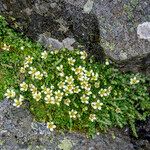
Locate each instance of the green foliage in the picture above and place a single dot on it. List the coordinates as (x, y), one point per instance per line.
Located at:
(67, 90)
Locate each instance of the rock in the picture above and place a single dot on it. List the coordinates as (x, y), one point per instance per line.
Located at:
(143, 31)
(117, 29)
(56, 44)
(18, 131)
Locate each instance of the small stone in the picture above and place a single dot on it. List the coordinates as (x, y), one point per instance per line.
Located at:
(143, 31)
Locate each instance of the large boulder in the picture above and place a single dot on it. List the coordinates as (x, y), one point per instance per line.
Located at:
(18, 131)
(120, 28)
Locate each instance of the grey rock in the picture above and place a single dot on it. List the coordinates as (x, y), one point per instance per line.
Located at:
(68, 42)
(56, 44)
(143, 31)
(115, 28)
(28, 135)
(47, 41)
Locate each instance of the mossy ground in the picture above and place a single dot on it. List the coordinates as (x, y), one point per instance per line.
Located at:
(116, 101)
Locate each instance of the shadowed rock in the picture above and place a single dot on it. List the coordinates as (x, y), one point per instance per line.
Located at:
(120, 28)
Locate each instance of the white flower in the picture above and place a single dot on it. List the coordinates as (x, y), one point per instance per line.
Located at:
(26, 65)
(73, 114)
(22, 48)
(107, 62)
(61, 85)
(32, 71)
(33, 89)
(22, 70)
(10, 93)
(6, 47)
(92, 117)
(97, 105)
(71, 61)
(77, 89)
(104, 92)
(61, 74)
(59, 68)
(79, 70)
(45, 74)
(58, 94)
(94, 77)
(49, 99)
(89, 73)
(47, 91)
(83, 54)
(88, 92)
(18, 102)
(69, 79)
(37, 96)
(84, 99)
(51, 126)
(23, 86)
(134, 81)
(29, 59)
(69, 88)
(67, 101)
(38, 75)
(44, 55)
(97, 84)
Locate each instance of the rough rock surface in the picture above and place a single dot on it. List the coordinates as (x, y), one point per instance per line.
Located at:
(19, 132)
(121, 28)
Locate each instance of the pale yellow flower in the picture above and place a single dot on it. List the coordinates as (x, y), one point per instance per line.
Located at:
(58, 100)
(18, 102)
(67, 101)
(23, 86)
(61, 85)
(118, 110)
(6, 47)
(44, 55)
(73, 114)
(79, 70)
(29, 59)
(22, 48)
(86, 86)
(92, 117)
(76, 89)
(94, 76)
(97, 84)
(84, 99)
(88, 92)
(103, 92)
(45, 74)
(89, 73)
(59, 68)
(71, 61)
(83, 54)
(49, 99)
(26, 65)
(58, 94)
(51, 126)
(33, 89)
(107, 62)
(69, 88)
(47, 91)
(32, 71)
(10, 93)
(97, 105)
(61, 74)
(22, 70)
(134, 81)
(38, 75)
(37, 96)
(69, 79)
